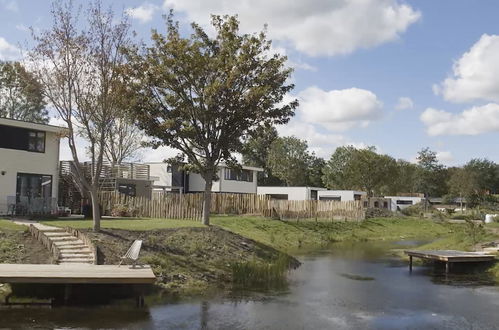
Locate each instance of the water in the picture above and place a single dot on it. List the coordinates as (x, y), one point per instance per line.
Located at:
(357, 286)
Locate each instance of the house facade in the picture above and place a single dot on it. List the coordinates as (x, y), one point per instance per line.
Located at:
(341, 195)
(290, 193)
(29, 166)
(401, 202)
(172, 179)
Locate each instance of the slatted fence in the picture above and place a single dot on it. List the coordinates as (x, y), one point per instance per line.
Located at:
(189, 206)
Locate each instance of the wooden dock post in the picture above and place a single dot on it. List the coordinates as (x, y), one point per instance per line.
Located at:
(410, 264)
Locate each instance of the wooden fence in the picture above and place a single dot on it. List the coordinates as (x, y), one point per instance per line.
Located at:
(189, 206)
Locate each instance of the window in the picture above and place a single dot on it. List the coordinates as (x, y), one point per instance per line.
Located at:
(366, 204)
(385, 205)
(376, 204)
(330, 198)
(33, 186)
(127, 189)
(313, 195)
(404, 202)
(36, 141)
(278, 196)
(235, 175)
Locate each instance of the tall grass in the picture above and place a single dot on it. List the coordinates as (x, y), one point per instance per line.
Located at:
(258, 274)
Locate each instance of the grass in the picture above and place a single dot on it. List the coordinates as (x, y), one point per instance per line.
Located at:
(9, 225)
(286, 236)
(126, 224)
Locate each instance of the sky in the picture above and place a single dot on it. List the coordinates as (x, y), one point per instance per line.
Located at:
(397, 75)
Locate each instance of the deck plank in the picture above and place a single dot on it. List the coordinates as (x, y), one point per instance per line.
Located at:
(450, 255)
(75, 273)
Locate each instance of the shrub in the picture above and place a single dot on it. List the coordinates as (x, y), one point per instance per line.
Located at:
(121, 210)
(378, 213)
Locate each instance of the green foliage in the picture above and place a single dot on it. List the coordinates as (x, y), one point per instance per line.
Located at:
(21, 94)
(431, 176)
(255, 153)
(288, 159)
(201, 95)
(127, 224)
(363, 169)
(378, 213)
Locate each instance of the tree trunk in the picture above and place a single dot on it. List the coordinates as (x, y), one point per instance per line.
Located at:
(95, 209)
(207, 201)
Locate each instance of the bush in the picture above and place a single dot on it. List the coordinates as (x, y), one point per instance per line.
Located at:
(121, 210)
(416, 210)
(378, 213)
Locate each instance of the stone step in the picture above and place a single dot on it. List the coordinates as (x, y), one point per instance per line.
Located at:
(76, 260)
(57, 234)
(76, 253)
(77, 257)
(66, 239)
(53, 230)
(76, 248)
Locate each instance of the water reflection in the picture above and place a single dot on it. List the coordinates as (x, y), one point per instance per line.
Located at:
(328, 291)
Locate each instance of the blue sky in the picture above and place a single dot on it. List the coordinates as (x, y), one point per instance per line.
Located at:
(354, 60)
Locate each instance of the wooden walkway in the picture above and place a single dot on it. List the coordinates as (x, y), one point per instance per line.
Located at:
(75, 273)
(448, 256)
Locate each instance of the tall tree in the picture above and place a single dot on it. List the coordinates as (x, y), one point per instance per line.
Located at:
(463, 183)
(486, 174)
(123, 141)
(314, 173)
(21, 95)
(255, 153)
(289, 160)
(431, 177)
(77, 61)
(202, 94)
(351, 168)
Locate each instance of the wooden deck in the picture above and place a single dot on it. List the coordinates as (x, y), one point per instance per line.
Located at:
(449, 256)
(75, 273)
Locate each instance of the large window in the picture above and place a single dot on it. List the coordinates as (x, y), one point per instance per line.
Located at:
(19, 138)
(404, 202)
(235, 175)
(127, 189)
(33, 186)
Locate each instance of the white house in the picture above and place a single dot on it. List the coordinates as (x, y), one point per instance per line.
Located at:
(402, 202)
(170, 178)
(290, 193)
(29, 166)
(341, 195)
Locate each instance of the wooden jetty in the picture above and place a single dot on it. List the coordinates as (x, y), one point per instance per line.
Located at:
(448, 256)
(75, 274)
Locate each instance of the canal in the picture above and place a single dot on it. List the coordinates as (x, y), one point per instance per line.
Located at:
(349, 286)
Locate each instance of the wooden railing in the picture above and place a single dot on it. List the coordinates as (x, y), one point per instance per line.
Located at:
(189, 206)
(42, 238)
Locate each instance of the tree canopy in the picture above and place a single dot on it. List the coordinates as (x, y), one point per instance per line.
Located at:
(21, 94)
(202, 94)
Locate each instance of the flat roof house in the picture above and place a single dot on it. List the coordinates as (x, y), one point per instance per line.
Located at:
(401, 202)
(290, 193)
(341, 195)
(172, 179)
(29, 167)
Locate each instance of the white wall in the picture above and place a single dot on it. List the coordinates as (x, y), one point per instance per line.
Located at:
(394, 199)
(20, 161)
(344, 195)
(159, 170)
(294, 193)
(196, 183)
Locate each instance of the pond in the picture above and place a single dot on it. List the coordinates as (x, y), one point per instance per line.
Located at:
(353, 286)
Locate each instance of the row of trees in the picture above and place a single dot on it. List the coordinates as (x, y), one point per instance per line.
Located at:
(287, 161)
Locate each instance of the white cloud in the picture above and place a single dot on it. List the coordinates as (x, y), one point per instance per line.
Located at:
(324, 27)
(404, 103)
(475, 75)
(339, 110)
(473, 121)
(8, 52)
(143, 13)
(10, 5)
(445, 157)
(322, 143)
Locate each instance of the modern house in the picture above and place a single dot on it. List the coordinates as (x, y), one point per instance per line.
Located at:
(401, 202)
(341, 195)
(29, 167)
(172, 179)
(290, 193)
(130, 179)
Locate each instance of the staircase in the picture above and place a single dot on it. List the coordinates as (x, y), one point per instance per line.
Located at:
(68, 248)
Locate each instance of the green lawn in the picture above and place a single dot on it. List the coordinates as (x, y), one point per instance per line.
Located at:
(128, 224)
(287, 236)
(9, 225)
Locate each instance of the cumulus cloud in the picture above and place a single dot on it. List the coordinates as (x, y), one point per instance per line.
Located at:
(404, 103)
(445, 157)
(339, 110)
(143, 13)
(475, 75)
(8, 52)
(10, 5)
(320, 27)
(473, 121)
